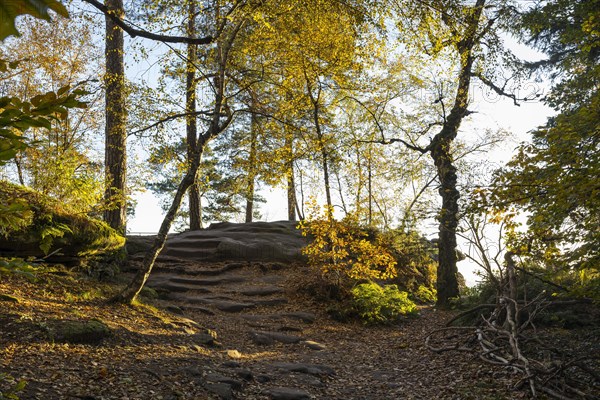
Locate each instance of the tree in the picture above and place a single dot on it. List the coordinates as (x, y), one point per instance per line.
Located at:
(461, 28)
(59, 163)
(195, 210)
(555, 178)
(115, 163)
(232, 20)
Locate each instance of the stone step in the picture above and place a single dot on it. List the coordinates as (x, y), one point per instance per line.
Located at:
(190, 254)
(221, 305)
(193, 243)
(178, 288)
(311, 369)
(286, 393)
(208, 281)
(261, 290)
(268, 338)
(303, 316)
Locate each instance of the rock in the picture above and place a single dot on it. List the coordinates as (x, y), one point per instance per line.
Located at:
(261, 339)
(222, 305)
(222, 390)
(288, 328)
(262, 378)
(207, 281)
(311, 369)
(202, 310)
(231, 364)
(271, 302)
(84, 332)
(283, 393)
(149, 293)
(307, 317)
(234, 354)
(218, 378)
(193, 371)
(181, 288)
(174, 309)
(86, 239)
(309, 380)
(266, 338)
(314, 345)
(261, 290)
(257, 241)
(245, 374)
(231, 306)
(205, 338)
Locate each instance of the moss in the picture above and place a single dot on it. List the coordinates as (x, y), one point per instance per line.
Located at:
(85, 332)
(53, 226)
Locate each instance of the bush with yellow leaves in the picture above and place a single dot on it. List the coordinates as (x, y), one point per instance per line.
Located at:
(342, 251)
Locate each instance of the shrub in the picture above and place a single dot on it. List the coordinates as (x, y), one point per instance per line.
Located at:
(376, 304)
(343, 252)
(46, 226)
(416, 260)
(425, 294)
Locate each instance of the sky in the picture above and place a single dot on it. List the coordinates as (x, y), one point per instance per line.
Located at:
(492, 112)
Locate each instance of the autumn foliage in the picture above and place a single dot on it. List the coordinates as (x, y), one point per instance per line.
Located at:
(342, 251)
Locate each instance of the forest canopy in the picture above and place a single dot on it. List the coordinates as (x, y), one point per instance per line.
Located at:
(364, 106)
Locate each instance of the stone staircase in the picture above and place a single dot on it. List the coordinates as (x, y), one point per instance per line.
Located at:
(248, 307)
(261, 328)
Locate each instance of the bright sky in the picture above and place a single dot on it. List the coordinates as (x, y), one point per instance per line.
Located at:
(492, 112)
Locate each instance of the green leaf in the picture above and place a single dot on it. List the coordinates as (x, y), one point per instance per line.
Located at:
(63, 90)
(10, 10)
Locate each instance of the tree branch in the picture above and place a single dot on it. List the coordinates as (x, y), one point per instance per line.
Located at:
(134, 32)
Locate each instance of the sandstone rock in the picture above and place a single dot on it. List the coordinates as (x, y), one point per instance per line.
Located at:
(84, 332)
(218, 378)
(8, 298)
(283, 393)
(223, 390)
(262, 337)
(307, 317)
(261, 290)
(311, 369)
(314, 345)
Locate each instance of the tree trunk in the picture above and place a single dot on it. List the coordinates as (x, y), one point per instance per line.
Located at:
(191, 127)
(291, 186)
(130, 293)
(217, 125)
(324, 156)
(115, 144)
(251, 168)
(370, 187)
(447, 272)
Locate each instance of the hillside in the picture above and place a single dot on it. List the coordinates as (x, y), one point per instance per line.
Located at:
(223, 330)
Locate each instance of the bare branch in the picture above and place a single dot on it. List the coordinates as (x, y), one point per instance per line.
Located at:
(134, 32)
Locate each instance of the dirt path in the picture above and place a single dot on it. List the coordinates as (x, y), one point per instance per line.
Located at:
(229, 330)
(283, 345)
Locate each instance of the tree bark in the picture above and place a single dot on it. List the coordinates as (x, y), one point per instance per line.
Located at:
(291, 186)
(447, 272)
(251, 168)
(130, 293)
(324, 155)
(191, 126)
(115, 142)
(217, 125)
(440, 151)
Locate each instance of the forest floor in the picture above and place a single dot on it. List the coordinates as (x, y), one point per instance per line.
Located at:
(224, 330)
